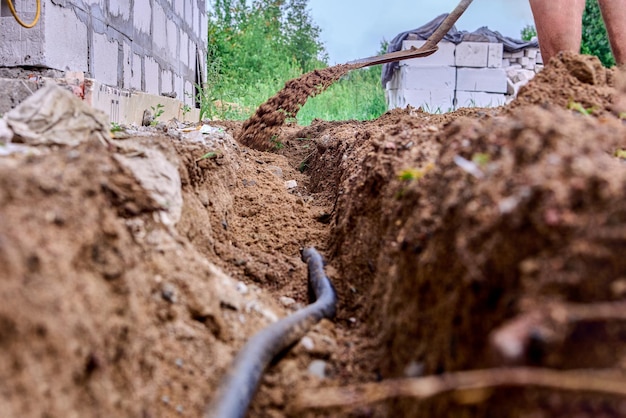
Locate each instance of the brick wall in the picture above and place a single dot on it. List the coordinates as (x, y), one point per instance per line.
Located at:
(156, 46)
(470, 74)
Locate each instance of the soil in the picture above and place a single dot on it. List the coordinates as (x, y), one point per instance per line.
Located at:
(132, 270)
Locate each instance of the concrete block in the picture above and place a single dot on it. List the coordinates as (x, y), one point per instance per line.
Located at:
(531, 52)
(65, 42)
(172, 41)
(432, 101)
(195, 23)
(151, 75)
(188, 93)
(188, 12)
(506, 62)
(490, 80)
(159, 31)
(178, 88)
(120, 8)
(518, 54)
(472, 54)
(142, 15)
(105, 54)
(426, 78)
(443, 57)
(538, 68)
(494, 57)
(479, 99)
(167, 85)
(127, 65)
(179, 7)
(135, 75)
(204, 26)
(184, 49)
(539, 58)
(524, 61)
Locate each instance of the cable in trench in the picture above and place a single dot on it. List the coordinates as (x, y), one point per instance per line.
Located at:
(241, 382)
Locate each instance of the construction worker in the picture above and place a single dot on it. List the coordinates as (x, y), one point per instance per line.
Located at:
(559, 25)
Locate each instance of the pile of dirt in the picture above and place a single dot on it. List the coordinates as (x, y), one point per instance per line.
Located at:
(134, 269)
(262, 129)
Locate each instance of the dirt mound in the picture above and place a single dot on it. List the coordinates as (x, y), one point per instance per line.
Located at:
(132, 270)
(570, 80)
(260, 131)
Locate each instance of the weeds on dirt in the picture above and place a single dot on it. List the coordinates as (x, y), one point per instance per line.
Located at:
(572, 105)
(157, 111)
(411, 174)
(115, 127)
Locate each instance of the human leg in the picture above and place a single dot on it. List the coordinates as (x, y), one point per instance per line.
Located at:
(559, 25)
(614, 15)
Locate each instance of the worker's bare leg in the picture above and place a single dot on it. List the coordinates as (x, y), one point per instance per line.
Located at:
(614, 15)
(559, 25)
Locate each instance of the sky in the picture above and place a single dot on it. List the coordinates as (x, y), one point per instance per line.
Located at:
(353, 29)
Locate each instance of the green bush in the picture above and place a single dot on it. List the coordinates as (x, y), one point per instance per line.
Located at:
(255, 47)
(595, 40)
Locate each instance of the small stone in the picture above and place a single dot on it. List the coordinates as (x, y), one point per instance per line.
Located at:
(291, 184)
(352, 320)
(318, 368)
(242, 288)
(179, 362)
(179, 409)
(277, 171)
(307, 343)
(287, 301)
(168, 292)
(165, 399)
(414, 369)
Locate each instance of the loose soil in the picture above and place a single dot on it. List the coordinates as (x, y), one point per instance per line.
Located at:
(132, 271)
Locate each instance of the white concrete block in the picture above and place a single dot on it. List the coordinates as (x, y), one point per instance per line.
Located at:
(172, 41)
(105, 53)
(531, 52)
(120, 8)
(538, 68)
(188, 98)
(142, 15)
(426, 78)
(179, 7)
(135, 76)
(479, 99)
(524, 61)
(204, 26)
(184, 49)
(443, 57)
(195, 23)
(506, 62)
(178, 87)
(494, 57)
(472, 54)
(151, 75)
(188, 12)
(167, 85)
(491, 80)
(539, 58)
(126, 65)
(518, 54)
(64, 41)
(432, 101)
(159, 31)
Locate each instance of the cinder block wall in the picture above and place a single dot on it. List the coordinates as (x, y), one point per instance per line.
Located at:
(156, 46)
(470, 74)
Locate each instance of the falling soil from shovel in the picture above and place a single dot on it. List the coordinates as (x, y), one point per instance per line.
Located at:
(260, 131)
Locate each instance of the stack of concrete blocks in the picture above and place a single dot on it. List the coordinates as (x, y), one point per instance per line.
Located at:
(154, 46)
(469, 74)
(520, 68)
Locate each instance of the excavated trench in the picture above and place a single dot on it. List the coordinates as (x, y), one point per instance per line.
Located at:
(132, 274)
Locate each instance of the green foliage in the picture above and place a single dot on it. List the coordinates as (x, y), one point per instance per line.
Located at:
(528, 32)
(358, 95)
(256, 46)
(595, 40)
(157, 111)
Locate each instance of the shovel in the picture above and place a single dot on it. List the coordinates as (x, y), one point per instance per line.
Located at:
(429, 48)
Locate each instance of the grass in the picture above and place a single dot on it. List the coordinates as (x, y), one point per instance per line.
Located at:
(357, 96)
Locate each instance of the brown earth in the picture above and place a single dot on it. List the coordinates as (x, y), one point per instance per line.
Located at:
(132, 271)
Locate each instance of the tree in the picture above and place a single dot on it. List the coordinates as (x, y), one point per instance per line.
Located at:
(595, 40)
(528, 32)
